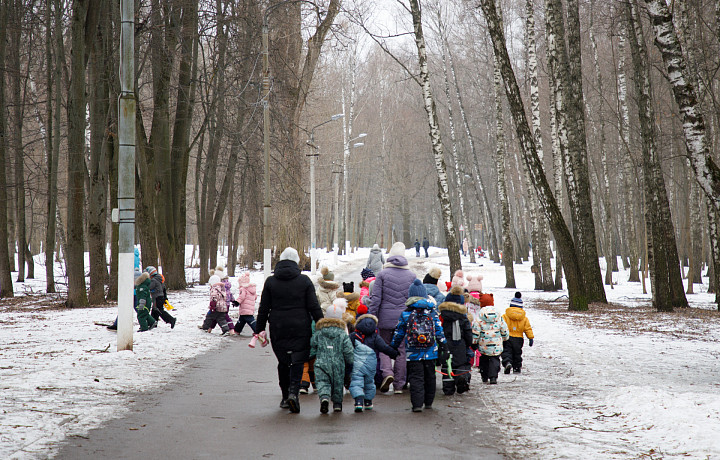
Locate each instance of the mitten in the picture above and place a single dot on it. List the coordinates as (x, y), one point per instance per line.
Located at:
(236, 303)
(443, 353)
(213, 304)
(530, 342)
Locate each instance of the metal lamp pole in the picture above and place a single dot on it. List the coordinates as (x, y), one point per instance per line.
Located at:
(124, 215)
(313, 155)
(346, 157)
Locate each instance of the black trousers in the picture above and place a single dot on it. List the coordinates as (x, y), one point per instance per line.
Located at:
(290, 370)
(421, 376)
(512, 352)
(460, 381)
(158, 311)
(489, 366)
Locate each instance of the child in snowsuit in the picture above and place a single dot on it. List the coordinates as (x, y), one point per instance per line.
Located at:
(332, 350)
(490, 331)
(157, 290)
(459, 336)
(144, 302)
(247, 294)
(218, 307)
(368, 344)
(518, 324)
(368, 277)
(420, 327)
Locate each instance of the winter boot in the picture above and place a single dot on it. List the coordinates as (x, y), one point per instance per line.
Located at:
(359, 404)
(293, 403)
(284, 404)
(337, 407)
(324, 405)
(368, 404)
(516, 371)
(253, 341)
(508, 368)
(493, 381)
(262, 338)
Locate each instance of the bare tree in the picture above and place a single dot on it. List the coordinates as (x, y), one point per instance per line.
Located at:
(6, 284)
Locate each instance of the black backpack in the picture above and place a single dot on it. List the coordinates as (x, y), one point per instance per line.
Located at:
(420, 330)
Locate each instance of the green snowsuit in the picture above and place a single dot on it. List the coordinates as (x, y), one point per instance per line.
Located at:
(333, 349)
(144, 301)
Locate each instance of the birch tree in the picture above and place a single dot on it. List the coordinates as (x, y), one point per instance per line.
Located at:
(566, 246)
(666, 281)
(436, 140)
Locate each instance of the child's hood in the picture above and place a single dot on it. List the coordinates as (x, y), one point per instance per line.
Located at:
(488, 314)
(420, 303)
(349, 296)
(366, 324)
(515, 313)
(452, 306)
(249, 288)
(330, 326)
(145, 276)
(328, 285)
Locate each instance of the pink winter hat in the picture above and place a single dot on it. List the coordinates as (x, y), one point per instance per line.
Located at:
(474, 283)
(244, 279)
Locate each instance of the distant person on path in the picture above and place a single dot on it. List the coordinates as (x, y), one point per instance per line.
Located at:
(426, 245)
(417, 248)
(419, 329)
(465, 246)
(333, 353)
(217, 313)
(518, 324)
(288, 302)
(387, 302)
(376, 260)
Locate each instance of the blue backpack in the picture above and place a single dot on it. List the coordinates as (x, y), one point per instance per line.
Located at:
(420, 330)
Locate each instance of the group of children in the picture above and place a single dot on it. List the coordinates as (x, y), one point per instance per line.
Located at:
(454, 332)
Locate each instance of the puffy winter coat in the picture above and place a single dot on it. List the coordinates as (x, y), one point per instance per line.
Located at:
(353, 301)
(434, 292)
(376, 260)
(289, 304)
(366, 333)
(217, 298)
(246, 297)
(326, 292)
(331, 347)
(490, 330)
(365, 289)
(142, 292)
(157, 290)
(228, 293)
(473, 306)
(518, 323)
(457, 330)
(413, 353)
(390, 291)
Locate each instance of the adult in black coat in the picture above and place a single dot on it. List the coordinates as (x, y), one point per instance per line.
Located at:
(458, 333)
(289, 304)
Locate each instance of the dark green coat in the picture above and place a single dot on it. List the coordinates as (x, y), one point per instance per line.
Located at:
(142, 291)
(333, 350)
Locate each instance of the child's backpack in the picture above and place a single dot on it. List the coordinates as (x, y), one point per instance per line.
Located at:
(420, 330)
(217, 298)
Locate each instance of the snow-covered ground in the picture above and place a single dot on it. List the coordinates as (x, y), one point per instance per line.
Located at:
(620, 381)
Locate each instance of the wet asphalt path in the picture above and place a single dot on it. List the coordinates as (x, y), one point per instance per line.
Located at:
(225, 405)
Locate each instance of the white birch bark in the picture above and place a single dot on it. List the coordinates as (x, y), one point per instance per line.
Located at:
(436, 140)
(706, 171)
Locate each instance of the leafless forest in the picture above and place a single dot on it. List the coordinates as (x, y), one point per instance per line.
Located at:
(552, 130)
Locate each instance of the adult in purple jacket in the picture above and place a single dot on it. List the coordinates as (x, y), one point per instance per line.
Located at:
(387, 302)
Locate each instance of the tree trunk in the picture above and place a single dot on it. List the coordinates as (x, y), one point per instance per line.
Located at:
(706, 171)
(436, 140)
(558, 171)
(566, 246)
(507, 246)
(74, 256)
(16, 92)
(459, 174)
(568, 99)
(98, 166)
(666, 279)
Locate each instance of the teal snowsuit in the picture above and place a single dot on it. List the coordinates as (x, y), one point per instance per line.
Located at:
(144, 301)
(333, 351)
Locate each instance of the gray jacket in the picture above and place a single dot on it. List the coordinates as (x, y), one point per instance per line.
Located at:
(376, 260)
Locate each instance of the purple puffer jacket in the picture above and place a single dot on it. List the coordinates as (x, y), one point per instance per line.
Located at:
(390, 291)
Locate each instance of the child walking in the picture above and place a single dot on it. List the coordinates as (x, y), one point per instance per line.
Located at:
(368, 344)
(247, 294)
(144, 302)
(218, 307)
(158, 293)
(490, 330)
(518, 324)
(420, 327)
(332, 350)
(458, 333)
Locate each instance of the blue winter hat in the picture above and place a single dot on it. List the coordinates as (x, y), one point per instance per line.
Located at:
(366, 273)
(417, 289)
(517, 301)
(456, 295)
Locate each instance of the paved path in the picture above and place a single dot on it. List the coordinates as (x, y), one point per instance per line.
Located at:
(225, 405)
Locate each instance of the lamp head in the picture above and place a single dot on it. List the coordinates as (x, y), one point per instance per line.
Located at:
(362, 135)
(358, 144)
(337, 116)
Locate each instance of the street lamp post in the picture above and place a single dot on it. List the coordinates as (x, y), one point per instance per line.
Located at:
(313, 155)
(346, 158)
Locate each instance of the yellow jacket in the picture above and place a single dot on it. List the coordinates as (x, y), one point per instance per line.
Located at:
(353, 300)
(518, 323)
